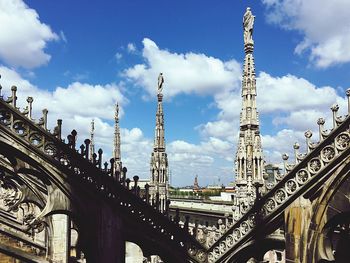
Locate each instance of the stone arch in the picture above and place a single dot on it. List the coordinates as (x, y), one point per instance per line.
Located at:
(332, 203)
(256, 249)
(133, 253)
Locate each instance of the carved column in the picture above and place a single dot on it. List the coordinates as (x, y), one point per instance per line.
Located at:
(60, 238)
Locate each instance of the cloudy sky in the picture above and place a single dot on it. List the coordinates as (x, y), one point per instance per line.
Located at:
(78, 58)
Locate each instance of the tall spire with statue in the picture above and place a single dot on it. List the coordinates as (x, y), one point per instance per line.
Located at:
(116, 149)
(159, 182)
(249, 163)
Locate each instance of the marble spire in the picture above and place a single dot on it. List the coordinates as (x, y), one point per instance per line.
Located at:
(159, 183)
(116, 149)
(249, 163)
(92, 140)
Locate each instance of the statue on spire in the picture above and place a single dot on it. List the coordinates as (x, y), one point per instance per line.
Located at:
(248, 23)
(116, 114)
(160, 83)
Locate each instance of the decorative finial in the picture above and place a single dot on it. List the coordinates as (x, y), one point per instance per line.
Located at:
(285, 157)
(13, 98)
(308, 134)
(160, 83)
(296, 146)
(30, 107)
(335, 108)
(347, 91)
(320, 122)
(248, 23)
(45, 112)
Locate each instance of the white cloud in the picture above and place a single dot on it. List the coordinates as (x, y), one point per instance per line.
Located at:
(220, 129)
(63, 37)
(81, 76)
(325, 26)
(131, 48)
(78, 99)
(183, 73)
(290, 93)
(296, 102)
(301, 120)
(23, 36)
(118, 56)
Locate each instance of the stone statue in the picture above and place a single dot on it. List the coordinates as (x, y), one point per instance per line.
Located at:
(160, 83)
(248, 22)
(116, 111)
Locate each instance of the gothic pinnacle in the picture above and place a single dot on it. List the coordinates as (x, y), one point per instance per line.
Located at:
(92, 143)
(116, 150)
(117, 143)
(159, 181)
(249, 158)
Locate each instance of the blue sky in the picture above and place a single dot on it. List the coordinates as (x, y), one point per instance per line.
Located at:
(78, 58)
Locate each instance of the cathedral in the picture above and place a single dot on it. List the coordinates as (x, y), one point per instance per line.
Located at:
(61, 202)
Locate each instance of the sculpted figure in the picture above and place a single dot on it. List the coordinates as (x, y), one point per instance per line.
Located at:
(248, 22)
(160, 83)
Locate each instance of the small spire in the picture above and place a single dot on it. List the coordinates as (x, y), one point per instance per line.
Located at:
(159, 141)
(116, 149)
(92, 143)
(195, 184)
(159, 182)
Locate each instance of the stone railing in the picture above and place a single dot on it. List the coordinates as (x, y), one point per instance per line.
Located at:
(311, 168)
(98, 176)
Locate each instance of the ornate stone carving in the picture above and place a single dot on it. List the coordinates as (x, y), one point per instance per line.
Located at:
(229, 240)
(270, 205)
(11, 197)
(280, 196)
(236, 234)
(342, 140)
(302, 176)
(291, 186)
(315, 165)
(244, 227)
(327, 153)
